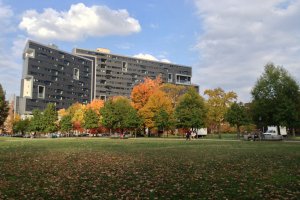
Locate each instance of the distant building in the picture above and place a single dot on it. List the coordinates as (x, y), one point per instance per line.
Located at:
(116, 74)
(54, 76)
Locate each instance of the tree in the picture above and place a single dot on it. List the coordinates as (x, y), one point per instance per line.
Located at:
(36, 124)
(50, 118)
(190, 111)
(142, 92)
(118, 113)
(163, 120)
(62, 112)
(66, 123)
(76, 111)
(9, 122)
(72, 109)
(95, 105)
(3, 107)
(157, 102)
(91, 119)
(217, 104)
(21, 126)
(276, 98)
(237, 116)
(132, 120)
(174, 92)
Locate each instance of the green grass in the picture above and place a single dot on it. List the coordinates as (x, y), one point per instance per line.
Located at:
(226, 136)
(94, 168)
(296, 138)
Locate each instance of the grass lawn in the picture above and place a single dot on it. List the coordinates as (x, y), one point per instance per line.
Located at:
(94, 168)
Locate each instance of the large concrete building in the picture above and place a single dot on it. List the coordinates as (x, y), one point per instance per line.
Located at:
(54, 76)
(116, 75)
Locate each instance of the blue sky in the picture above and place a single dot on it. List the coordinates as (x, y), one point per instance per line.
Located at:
(227, 43)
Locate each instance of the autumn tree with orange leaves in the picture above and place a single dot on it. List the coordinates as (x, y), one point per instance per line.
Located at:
(142, 92)
(95, 105)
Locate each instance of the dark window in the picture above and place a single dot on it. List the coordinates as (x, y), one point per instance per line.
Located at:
(41, 91)
(76, 74)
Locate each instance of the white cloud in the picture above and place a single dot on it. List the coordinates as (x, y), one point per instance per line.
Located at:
(165, 60)
(150, 57)
(18, 46)
(240, 37)
(11, 65)
(78, 22)
(6, 15)
(5, 11)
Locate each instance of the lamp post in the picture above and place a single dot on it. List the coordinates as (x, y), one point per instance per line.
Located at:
(260, 121)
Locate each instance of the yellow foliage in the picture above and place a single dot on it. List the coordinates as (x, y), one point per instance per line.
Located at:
(17, 117)
(62, 112)
(72, 109)
(157, 100)
(77, 112)
(218, 103)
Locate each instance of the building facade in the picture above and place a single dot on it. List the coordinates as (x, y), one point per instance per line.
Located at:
(54, 76)
(116, 75)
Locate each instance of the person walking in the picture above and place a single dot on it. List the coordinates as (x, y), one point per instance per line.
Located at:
(188, 135)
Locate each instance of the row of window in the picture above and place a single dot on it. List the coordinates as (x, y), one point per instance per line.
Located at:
(62, 55)
(41, 93)
(126, 59)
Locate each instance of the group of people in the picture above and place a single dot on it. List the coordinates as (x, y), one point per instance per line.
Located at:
(190, 134)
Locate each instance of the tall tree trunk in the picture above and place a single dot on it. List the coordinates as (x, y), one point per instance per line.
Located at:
(294, 132)
(144, 127)
(219, 133)
(149, 132)
(238, 131)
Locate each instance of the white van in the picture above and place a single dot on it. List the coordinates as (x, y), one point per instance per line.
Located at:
(272, 130)
(274, 134)
(199, 132)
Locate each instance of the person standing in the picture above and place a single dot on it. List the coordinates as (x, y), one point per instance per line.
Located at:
(188, 135)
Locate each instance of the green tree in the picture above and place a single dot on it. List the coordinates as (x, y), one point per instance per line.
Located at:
(190, 111)
(21, 126)
(50, 118)
(36, 124)
(132, 121)
(163, 120)
(3, 107)
(119, 114)
(91, 119)
(237, 116)
(217, 104)
(108, 119)
(276, 98)
(66, 124)
(174, 92)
